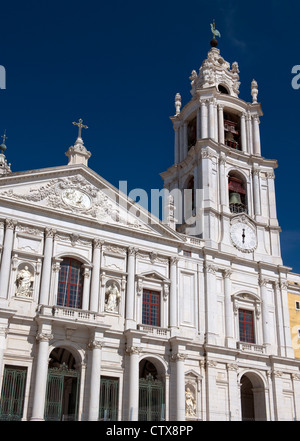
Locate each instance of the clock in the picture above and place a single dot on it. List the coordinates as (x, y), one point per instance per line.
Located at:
(76, 199)
(243, 237)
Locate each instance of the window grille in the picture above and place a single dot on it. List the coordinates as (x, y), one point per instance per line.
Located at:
(13, 392)
(246, 326)
(109, 393)
(70, 284)
(151, 308)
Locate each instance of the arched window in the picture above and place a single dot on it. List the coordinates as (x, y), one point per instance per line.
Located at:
(70, 283)
(237, 194)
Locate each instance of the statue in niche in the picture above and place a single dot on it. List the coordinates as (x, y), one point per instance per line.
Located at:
(112, 297)
(24, 282)
(190, 403)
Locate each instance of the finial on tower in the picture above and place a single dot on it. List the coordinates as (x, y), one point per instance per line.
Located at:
(4, 167)
(215, 32)
(77, 153)
(3, 146)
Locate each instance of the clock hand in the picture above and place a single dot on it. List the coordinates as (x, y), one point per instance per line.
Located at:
(243, 235)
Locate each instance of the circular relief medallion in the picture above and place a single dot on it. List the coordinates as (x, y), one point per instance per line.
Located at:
(76, 198)
(243, 237)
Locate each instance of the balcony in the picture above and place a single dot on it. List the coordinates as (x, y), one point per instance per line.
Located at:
(155, 331)
(70, 315)
(251, 347)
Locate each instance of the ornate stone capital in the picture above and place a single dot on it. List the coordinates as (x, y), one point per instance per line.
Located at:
(95, 344)
(209, 268)
(10, 223)
(41, 336)
(174, 260)
(227, 273)
(178, 357)
(50, 232)
(98, 243)
(133, 350)
(232, 367)
(132, 251)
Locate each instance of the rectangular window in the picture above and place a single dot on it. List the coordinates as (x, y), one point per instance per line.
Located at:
(151, 308)
(297, 304)
(246, 326)
(12, 394)
(109, 393)
(187, 253)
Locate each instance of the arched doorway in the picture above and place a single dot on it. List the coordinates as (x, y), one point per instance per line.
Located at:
(253, 403)
(62, 387)
(151, 393)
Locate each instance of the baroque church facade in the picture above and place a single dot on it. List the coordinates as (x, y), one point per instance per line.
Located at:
(106, 315)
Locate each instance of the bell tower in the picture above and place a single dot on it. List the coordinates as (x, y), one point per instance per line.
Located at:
(223, 187)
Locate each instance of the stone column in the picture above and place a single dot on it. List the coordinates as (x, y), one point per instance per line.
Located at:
(86, 271)
(256, 136)
(177, 145)
(47, 267)
(41, 375)
(130, 295)
(289, 351)
(96, 346)
(173, 292)
(296, 390)
(249, 133)
(179, 359)
(95, 282)
(229, 333)
(133, 387)
(256, 191)
(198, 124)
(243, 132)
(223, 180)
(211, 303)
(3, 331)
(234, 393)
(221, 124)
(265, 311)
(204, 122)
(6, 257)
(211, 119)
(185, 140)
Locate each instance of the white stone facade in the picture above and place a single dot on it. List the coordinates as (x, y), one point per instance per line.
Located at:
(201, 366)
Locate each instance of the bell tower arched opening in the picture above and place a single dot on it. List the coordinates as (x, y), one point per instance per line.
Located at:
(237, 193)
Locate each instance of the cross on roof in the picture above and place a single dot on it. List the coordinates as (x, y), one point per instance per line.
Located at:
(80, 126)
(4, 137)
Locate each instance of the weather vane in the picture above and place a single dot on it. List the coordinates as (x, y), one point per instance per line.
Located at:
(80, 126)
(215, 33)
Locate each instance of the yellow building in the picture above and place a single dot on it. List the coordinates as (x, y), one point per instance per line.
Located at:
(294, 311)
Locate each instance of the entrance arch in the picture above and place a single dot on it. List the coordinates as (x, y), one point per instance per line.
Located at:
(62, 387)
(253, 401)
(151, 391)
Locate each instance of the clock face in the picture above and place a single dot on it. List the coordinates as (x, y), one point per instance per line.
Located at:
(243, 237)
(76, 198)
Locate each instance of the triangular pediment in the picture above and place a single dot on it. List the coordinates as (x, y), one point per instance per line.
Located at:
(153, 275)
(78, 191)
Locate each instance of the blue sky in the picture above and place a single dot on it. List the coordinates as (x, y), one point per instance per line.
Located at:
(118, 65)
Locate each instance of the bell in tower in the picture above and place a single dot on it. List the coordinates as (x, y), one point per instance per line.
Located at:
(235, 198)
